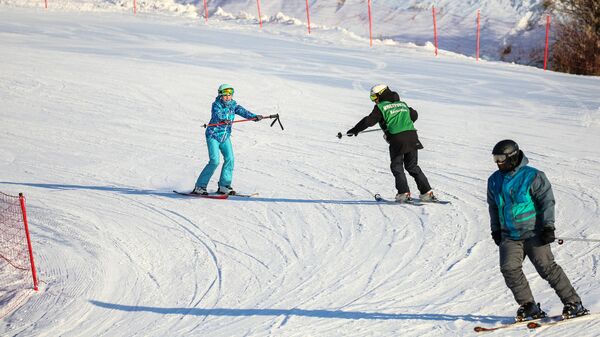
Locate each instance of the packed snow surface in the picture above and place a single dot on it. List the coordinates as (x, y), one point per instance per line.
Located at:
(101, 118)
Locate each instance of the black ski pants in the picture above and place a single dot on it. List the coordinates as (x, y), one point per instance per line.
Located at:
(408, 161)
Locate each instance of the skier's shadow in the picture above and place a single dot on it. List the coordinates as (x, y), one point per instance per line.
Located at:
(339, 314)
(66, 187)
(170, 194)
(310, 201)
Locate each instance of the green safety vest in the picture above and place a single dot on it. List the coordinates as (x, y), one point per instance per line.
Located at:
(396, 116)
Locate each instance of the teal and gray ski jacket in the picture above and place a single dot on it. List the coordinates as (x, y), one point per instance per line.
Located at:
(520, 202)
(224, 112)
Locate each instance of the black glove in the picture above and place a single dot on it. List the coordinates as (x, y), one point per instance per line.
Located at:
(497, 236)
(547, 235)
(258, 118)
(352, 132)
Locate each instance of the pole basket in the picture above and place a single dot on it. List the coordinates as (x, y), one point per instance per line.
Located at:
(17, 267)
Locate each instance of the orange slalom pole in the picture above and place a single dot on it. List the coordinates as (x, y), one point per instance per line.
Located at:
(370, 26)
(259, 15)
(33, 272)
(435, 41)
(308, 16)
(547, 35)
(477, 52)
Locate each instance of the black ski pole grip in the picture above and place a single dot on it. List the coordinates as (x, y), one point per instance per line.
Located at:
(276, 116)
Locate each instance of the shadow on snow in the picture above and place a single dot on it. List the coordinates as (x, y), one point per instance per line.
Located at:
(299, 312)
(170, 194)
(63, 187)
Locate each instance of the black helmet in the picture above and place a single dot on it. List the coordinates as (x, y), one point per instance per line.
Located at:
(507, 155)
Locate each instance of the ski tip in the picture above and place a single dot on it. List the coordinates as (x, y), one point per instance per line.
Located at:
(245, 195)
(440, 202)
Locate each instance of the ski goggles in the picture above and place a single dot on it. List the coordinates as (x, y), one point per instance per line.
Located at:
(375, 95)
(501, 158)
(227, 92)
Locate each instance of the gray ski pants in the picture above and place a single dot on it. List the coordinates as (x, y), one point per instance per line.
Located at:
(512, 254)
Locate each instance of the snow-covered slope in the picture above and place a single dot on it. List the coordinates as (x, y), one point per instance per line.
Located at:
(101, 119)
(510, 30)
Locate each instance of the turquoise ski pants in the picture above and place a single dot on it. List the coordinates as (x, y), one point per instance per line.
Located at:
(215, 148)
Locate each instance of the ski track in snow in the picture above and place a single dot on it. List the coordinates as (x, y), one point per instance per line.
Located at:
(111, 131)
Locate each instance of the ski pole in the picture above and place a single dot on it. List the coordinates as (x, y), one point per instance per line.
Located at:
(276, 116)
(560, 241)
(223, 123)
(339, 135)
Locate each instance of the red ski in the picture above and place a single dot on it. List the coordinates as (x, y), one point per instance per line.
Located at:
(206, 196)
(513, 324)
(535, 325)
(216, 195)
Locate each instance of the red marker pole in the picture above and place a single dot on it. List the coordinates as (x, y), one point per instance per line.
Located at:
(46, 4)
(205, 12)
(134, 7)
(259, 16)
(435, 42)
(477, 52)
(308, 16)
(370, 26)
(31, 262)
(547, 35)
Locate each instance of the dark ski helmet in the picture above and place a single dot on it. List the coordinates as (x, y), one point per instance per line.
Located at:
(507, 155)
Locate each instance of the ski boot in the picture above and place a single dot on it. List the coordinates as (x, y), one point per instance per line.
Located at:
(404, 198)
(573, 310)
(226, 190)
(529, 311)
(428, 197)
(199, 190)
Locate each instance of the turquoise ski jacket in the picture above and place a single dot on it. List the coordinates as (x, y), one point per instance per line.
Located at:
(520, 202)
(224, 112)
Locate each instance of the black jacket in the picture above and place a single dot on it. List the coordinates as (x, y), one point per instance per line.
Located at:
(400, 143)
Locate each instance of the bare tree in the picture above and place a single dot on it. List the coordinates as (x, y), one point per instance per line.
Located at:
(577, 46)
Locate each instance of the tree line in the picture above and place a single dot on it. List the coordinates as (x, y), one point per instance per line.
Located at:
(576, 48)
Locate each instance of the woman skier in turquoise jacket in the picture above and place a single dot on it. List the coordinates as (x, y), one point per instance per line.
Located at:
(218, 141)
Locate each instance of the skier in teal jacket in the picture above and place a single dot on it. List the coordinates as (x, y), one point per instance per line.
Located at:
(218, 141)
(521, 208)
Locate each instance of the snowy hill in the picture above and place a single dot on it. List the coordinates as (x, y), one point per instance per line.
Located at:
(510, 30)
(101, 119)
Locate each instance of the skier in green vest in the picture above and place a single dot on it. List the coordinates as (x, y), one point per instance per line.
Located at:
(396, 119)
